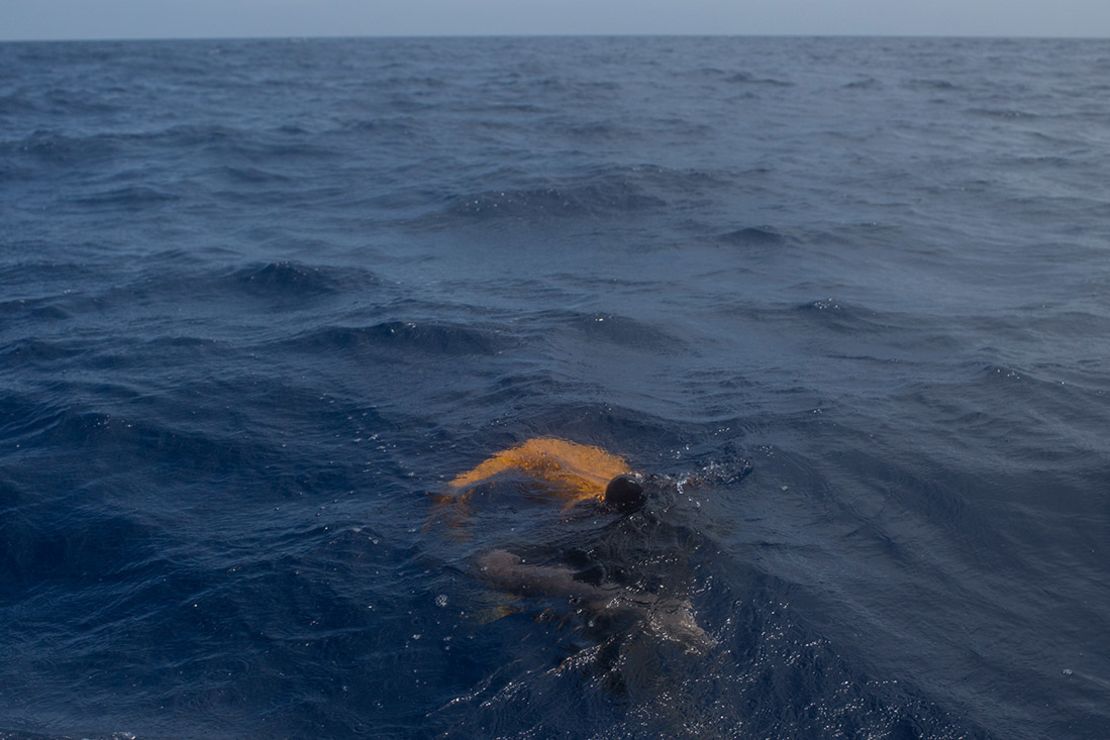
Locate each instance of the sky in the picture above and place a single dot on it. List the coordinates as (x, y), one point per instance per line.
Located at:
(115, 19)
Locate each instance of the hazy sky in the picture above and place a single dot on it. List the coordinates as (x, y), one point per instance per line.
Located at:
(69, 19)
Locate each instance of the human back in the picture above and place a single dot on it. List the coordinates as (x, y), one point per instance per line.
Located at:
(576, 472)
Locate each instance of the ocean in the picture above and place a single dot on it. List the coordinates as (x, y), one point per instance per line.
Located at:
(846, 300)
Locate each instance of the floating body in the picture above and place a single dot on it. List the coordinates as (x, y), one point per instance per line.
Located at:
(580, 473)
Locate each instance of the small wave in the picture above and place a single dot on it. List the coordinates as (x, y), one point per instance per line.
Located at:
(180, 341)
(1003, 113)
(737, 78)
(752, 236)
(867, 83)
(114, 440)
(73, 102)
(481, 106)
(409, 81)
(284, 279)
(828, 307)
(594, 198)
(834, 315)
(39, 350)
(192, 135)
(931, 84)
(251, 175)
(131, 196)
(22, 306)
(54, 148)
(10, 172)
(624, 331)
(406, 336)
(50, 311)
(1000, 372)
(51, 546)
(1029, 410)
(255, 145)
(708, 72)
(578, 87)
(747, 78)
(17, 103)
(393, 125)
(40, 306)
(596, 192)
(39, 271)
(1066, 390)
(598, 130)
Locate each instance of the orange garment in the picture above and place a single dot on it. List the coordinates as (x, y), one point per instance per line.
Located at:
(578, 472)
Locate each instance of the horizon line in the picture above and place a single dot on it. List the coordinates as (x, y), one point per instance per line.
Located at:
(430, 36)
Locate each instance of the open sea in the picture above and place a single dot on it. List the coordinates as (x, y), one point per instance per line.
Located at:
(261, 300)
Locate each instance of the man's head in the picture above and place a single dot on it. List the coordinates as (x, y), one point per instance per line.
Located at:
(626, 492)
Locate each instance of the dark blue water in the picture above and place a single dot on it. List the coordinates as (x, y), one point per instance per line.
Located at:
(261, 299)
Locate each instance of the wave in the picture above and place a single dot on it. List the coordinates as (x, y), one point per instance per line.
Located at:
(510, 108)
(36, 279)
(112, 437)
(867, 83)
(407, 82)
(13, 103)
(285, 279)
(50, 147)
(401, 125)
(254, 145)
(747, 78)
(575, 87)
(40, 350)
(1025, 419)
(753, 236)
(829, 314)
(72, 102)
(1010, 114)
(738, 77)
(174, 275)
(590, 130)
(591, 198)
(1056, 388)
(598, 192)
(249, 175)
(918, 83)
(72, 544)
(127, 197)
(402, 336)
(843, 317)
(41, 272)
(617, 330)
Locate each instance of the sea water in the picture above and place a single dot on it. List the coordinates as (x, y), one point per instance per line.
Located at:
(262, 299)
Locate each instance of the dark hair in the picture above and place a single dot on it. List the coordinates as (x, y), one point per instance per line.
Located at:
(625, 492)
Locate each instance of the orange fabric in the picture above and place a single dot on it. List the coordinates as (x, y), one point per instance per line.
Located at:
(578, 472)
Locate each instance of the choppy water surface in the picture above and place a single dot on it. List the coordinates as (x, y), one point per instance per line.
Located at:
(261, 299)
